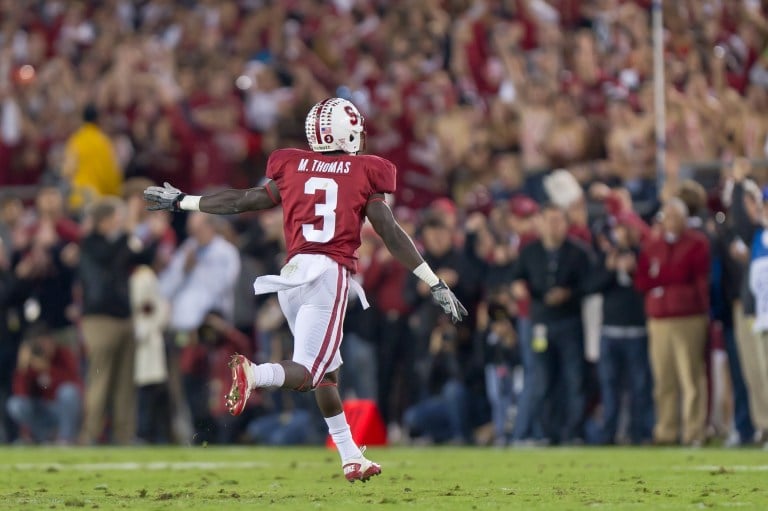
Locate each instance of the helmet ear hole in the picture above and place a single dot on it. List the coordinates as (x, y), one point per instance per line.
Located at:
(351, 137)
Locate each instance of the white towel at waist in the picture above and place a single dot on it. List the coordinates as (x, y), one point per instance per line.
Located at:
(302, 270)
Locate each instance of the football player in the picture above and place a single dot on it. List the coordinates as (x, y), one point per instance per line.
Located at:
(326, 195)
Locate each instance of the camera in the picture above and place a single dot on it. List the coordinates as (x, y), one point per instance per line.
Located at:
(37, 349)
(206, 334)
(497, 312)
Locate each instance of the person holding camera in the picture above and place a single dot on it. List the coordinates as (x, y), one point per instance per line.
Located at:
(205, 376)
(500, 357)
(441, 416)
(47, 396)
(623, 364)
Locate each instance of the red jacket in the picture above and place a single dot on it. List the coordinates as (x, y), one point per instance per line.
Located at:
(64, 368)
(385, 283)
(675, 276)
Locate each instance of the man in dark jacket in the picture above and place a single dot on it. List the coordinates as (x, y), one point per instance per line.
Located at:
(12, 326)
(623, 362)
(746, 213)
(554, 269)
(108, 255)
(729, 257)
(673, 273)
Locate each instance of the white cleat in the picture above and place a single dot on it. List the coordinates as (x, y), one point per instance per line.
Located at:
(361, 468)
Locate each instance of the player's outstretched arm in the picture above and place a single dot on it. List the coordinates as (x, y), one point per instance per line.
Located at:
(402, 248)
(226, 202)
(395, 238)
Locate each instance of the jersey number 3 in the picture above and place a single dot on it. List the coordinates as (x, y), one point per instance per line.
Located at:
(326, 209)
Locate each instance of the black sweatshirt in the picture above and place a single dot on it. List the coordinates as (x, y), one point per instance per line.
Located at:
(104, 271)
(744, 229)
(568, 267)
(623, 305)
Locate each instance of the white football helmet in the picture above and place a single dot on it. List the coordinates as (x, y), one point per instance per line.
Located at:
(335, 124)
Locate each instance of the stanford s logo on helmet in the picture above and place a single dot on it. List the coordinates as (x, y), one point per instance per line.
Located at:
(334, 124)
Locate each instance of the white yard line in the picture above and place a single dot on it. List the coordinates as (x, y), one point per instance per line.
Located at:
(132, 465)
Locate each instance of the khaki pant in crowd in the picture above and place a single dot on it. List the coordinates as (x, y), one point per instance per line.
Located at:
(753, 356)
(677, 348)
(110, 350)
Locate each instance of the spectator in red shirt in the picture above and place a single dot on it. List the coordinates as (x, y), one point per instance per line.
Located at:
(205, 374)
(49, 204)
(45, 266)
(47, 397)
(673, 273)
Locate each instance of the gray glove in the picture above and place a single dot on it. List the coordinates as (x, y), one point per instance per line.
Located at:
(445, 298)
(163, 198)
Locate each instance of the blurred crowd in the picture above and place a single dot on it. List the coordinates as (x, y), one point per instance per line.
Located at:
(603, 307)
(468, 98)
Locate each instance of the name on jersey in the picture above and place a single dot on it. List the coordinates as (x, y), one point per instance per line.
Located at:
(327, 167)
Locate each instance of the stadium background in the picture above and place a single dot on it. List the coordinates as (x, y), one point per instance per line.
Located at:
(474, 101)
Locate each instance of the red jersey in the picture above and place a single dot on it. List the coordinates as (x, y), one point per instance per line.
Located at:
(324, 198)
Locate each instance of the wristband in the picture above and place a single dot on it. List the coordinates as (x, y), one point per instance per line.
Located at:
(425, 273)
(190, 203)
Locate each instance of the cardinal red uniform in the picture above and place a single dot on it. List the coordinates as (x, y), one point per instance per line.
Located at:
(324, 198)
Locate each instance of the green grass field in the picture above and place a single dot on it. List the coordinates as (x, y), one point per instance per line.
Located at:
(225, 479)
